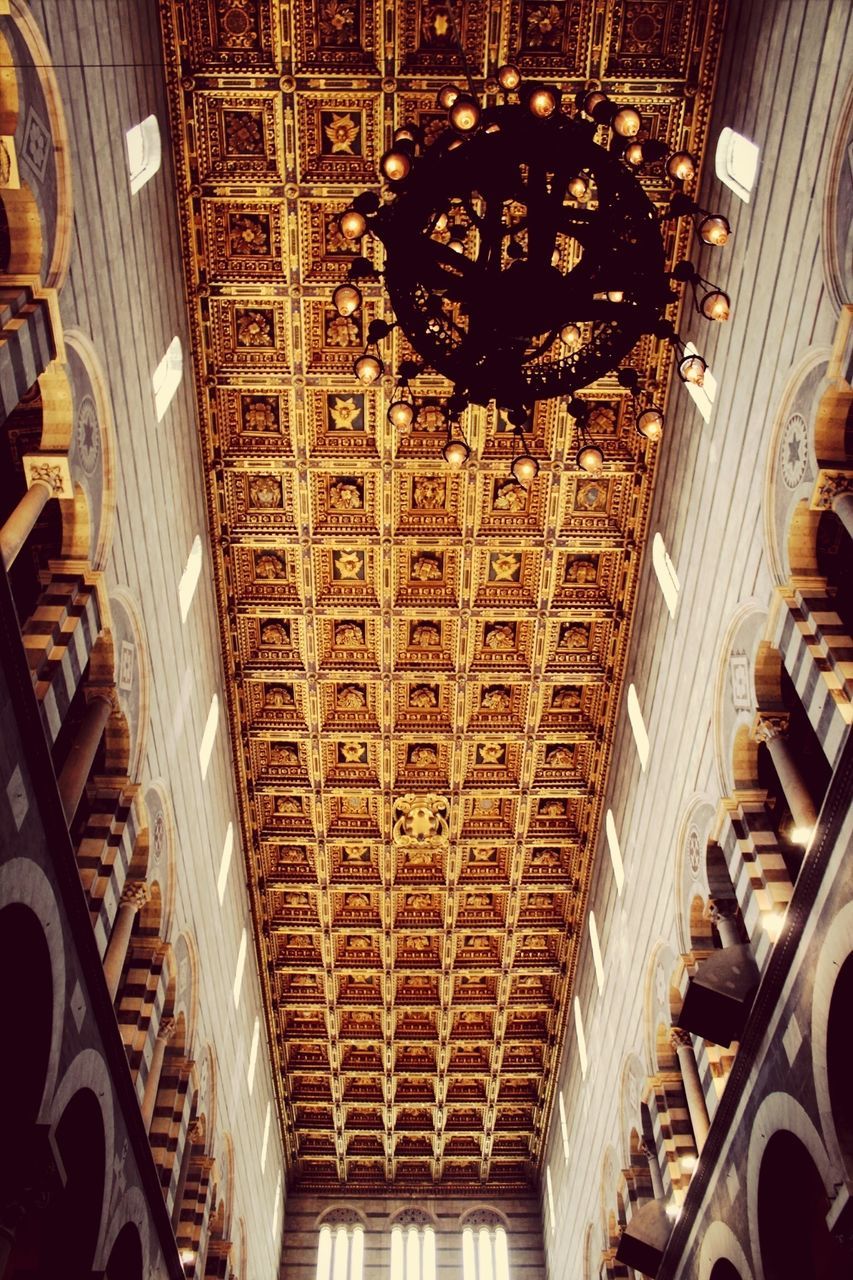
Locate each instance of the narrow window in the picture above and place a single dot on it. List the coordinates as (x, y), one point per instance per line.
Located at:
(225, 862)
(253, 1055)
(266, 1139)
(615, 851)
(166, 378)
(703, 397)
(596, 951)
(190, 577)
(275, 1227)
(144, 152)
(551, 1213)
(209, 736)
(638, 727)
(581, 1038)
(736, 162)
(484, 1252)
(666, 575)
(241, 964)
(564, 1128)
(412, 1252)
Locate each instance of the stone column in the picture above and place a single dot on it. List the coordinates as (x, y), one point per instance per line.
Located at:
(134, 896)
(724, 915)
(771, 727)
(647, 1149)
(834, 492)
(81, 757)
(149, 1098)
(693, 1094)
(47, 476)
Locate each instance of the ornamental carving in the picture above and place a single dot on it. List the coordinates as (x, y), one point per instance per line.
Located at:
(420, 821)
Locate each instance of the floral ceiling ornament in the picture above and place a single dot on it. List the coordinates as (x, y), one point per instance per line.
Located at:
(420, 821)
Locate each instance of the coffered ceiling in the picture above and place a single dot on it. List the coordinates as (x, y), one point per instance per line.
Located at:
(423, 667)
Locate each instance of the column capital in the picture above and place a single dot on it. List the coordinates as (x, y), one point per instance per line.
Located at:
(769, 725)
(135, 894)
(166, 1029)
(103, 693)
(721, 909)
(51, 469)
(680, 1039)
(829, 486)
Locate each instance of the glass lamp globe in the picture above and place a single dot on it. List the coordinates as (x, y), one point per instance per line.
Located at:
(447, 95)
(681, 166)
(634, 154)
(714, 229)
(578, 187)
(368, 368)
(509, 77)
(650, 423)
(456, 453)
(353, 224)
(716, 305)
(396, 165)
(543, 103)
(525, 468)
(590, 459)
(627, 122)
(401, 414)
(692, 369)
(465, 113)
(570, 335)
(592, 100)
(347, 299)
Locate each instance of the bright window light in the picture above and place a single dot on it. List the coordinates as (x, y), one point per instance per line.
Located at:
(253, 1055)
(340, 1252)
(413, 1252)
(190, 577)
(564, 1128)
(397, 1257)
(550, 1188)
(266, 1139)
(666, 575)
(144, 152)
(167, 377)
(638, 727)
(703, 397)
(225, 862)
(241, 964)
(596, 951)
(581, 1038)
(615, 851)
(275, 1226)
(209, 736)
(324, 1253)
(484, 1252)
(736, 162)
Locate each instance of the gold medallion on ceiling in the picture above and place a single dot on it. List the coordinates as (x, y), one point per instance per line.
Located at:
(420, 821)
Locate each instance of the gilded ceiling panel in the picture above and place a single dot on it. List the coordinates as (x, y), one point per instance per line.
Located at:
(423, 667)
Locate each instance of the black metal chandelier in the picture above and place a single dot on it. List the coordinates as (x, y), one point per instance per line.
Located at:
(523, 258)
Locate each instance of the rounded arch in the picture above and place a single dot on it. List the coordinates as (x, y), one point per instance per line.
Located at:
(162, 874)
(590, 1253)
(225, 1167)
(92, 447)
(780, 1113)
(132, 672)
(837, 233)
(185, 970)
(719, 1243)
(656, 1001)
(129, 1216)
(734, 693)
(126, 1260)
(633, 1079)
(78, 1216)
(691, 878)
(483, 1215)
(833, 967)
(345, 1214)
(206, 1082)
(413, 1217)
(24, 884)
(60, 258)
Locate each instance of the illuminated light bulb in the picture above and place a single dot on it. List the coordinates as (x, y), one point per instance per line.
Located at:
(634, 154)
(802, 835)
(615, 295)
(627, 122)
(681, 166)
(715, 229)
(368, 368)
(440, 222)
(401, 414)
(405, 133)
(578, 187)
(353, 224)
(447, 95)
(716, 305)
(456, 245)
(555, 258)
(570, 335)
(590, 459)
(456, 142)
(347, 299)
(456, 453)
(465, 113)
(509, 77)
(692, 369)
(543, 103)
(592, 100)
(525, 468)
(650, 423)
(396, 165)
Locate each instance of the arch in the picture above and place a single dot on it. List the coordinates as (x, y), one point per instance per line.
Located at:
(126, 1260)
(656, 1001)
(780, 1112)
(130, 646)
(184, 967)
(60, 259)
(719, 1243)
(833, 961)
(166, 378)
(162, 873)
(690, 877)
(144, 152)
(736, 162)
(483, 1214)
(95, 423)
(25, 234)
(790, 1190)
(837, 233)
(633, 1079)
(128, 1216)
(23, 883)
(734, 696)
(225, 1166)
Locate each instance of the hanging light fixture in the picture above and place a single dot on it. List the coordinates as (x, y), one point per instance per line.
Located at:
(649, 419)
(524, 467)
(475, 228)
(589, 457)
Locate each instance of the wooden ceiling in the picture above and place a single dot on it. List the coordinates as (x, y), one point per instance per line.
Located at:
(390, 629)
